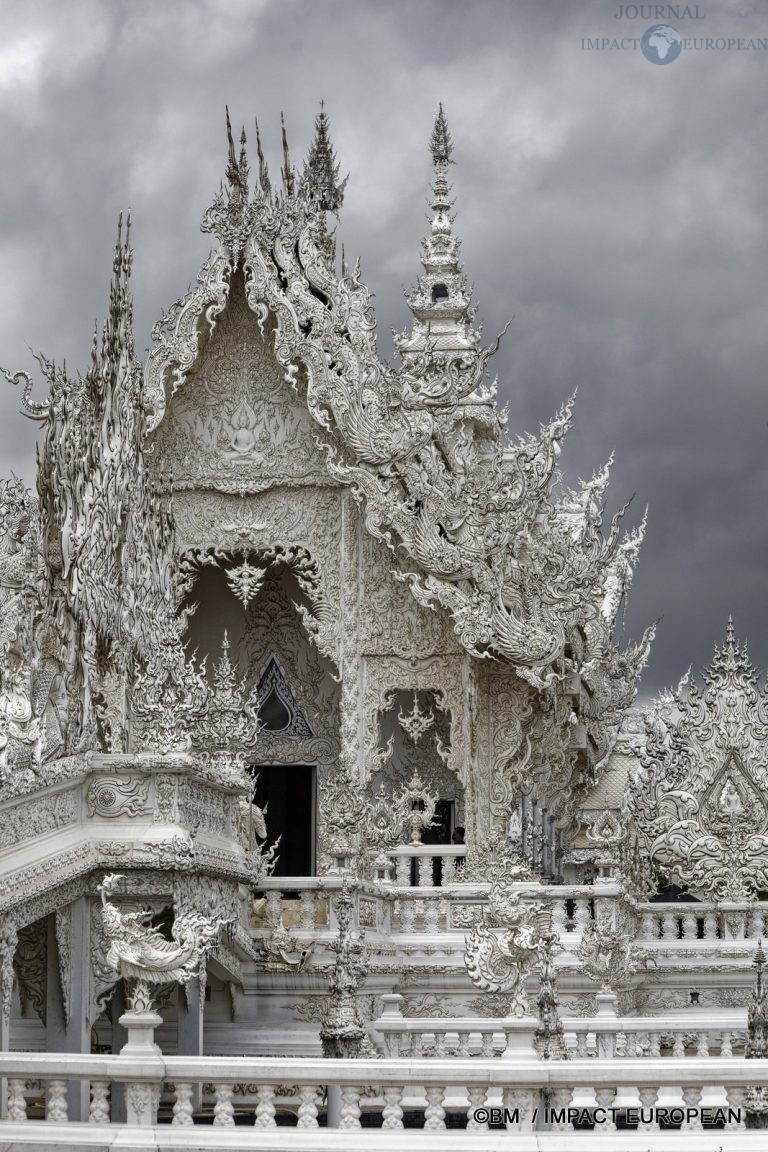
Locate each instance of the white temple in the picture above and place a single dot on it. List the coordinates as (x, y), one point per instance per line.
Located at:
(324, 799)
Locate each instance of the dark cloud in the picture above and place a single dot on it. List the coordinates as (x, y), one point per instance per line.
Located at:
(616, 208)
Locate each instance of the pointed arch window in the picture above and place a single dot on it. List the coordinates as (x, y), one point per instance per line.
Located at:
(439, 292)
(279, 713)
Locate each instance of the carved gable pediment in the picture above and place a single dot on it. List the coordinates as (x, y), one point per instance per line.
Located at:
(699, 798)
(733, 799)
(236, 424)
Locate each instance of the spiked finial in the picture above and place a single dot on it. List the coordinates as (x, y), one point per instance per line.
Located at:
(231, 158)
(320, 178)
(264, 180)
(440, 143)
(729, 634)
(287, 171)
(237, 169)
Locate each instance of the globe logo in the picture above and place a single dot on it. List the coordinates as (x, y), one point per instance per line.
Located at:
(661, 44)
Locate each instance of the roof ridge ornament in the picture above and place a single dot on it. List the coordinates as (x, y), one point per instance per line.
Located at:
(443, 361)
(320, 182)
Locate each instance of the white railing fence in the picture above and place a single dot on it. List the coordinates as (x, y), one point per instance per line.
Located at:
(718, 1032)
(343, 1091)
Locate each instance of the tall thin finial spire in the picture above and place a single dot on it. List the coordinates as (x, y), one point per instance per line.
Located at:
(288, 179)
(264, 180)
(237, 169)
(442, 300)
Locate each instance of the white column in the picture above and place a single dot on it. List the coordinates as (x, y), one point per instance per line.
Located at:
(74, 1034)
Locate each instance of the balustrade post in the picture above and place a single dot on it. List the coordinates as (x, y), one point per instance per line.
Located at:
(476, 1097)
(434, 1113)
(350, 1107)
(691, 1096)
(17, 1101)
(223, 1110)
(559, 916)
(307, 1116)
(274, 907)
(307, 910)
(432, 916)
(407, 914)
(581, 914)
(647, 1105)
(605, 1099)
(649, 926)
(265, 1106)
(56, 1102)
(392, 1116)
(183, 1108)
(710, 925)
(98, 1113)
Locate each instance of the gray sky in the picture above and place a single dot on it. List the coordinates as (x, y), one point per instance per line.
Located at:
(615, 207)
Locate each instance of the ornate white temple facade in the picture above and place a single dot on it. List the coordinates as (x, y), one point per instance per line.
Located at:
(308, 664)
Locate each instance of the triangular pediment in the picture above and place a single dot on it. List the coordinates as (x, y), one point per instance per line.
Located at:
(235, 424)
(733, 797)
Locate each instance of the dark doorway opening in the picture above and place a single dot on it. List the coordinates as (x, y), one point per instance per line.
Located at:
(287, 791)
(439, 833)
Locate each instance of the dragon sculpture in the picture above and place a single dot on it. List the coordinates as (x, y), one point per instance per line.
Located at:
(144, 956)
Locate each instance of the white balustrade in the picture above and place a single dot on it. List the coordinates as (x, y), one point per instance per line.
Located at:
(597, 1092)
(718, 1032)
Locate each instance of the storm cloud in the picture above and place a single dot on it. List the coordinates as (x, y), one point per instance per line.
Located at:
(615, 208)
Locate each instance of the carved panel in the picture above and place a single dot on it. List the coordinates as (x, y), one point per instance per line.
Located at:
(443, 676)
(238, 426)
(117, 796)
(45, 814)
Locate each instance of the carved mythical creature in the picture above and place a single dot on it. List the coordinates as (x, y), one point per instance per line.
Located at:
(283, 952)
(142, 954)
(610, 957)
(500, 963)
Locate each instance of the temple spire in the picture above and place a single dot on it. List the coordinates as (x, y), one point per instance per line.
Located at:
(320, 178)
(441, 302)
